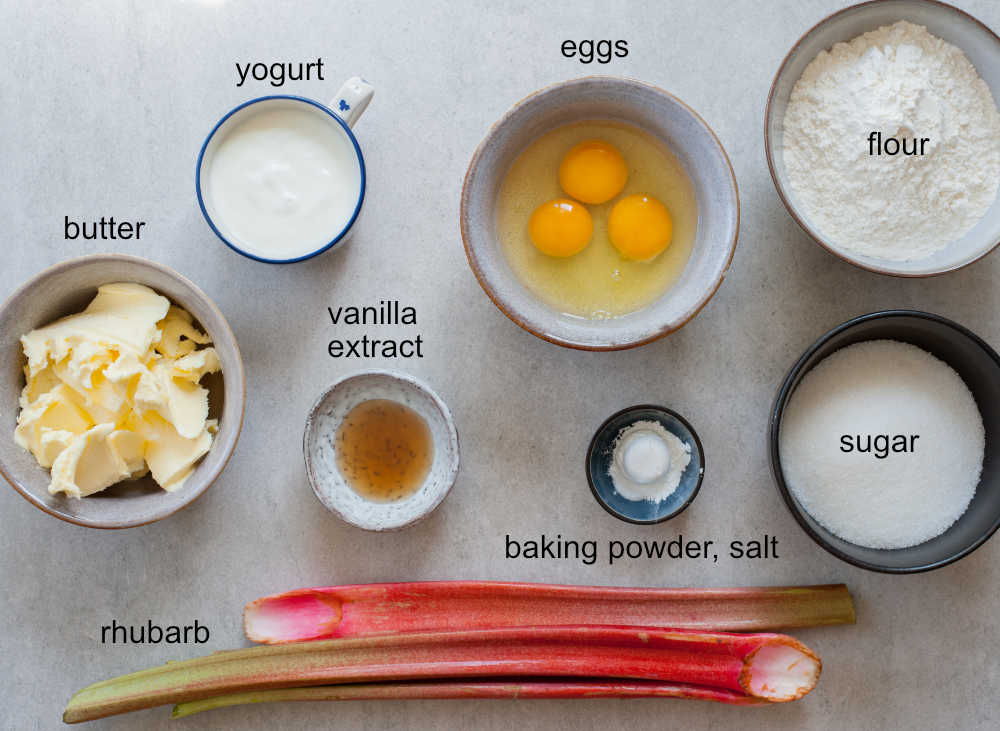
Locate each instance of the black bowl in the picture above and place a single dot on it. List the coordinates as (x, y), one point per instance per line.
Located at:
(599, 455)
(979, 366)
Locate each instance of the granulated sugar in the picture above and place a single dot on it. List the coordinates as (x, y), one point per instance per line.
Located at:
(898, 492)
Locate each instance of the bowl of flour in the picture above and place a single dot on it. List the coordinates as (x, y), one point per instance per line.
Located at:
(883, 136)
(885, 441)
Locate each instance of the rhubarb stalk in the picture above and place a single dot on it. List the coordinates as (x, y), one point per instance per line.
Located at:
(373, 609)
(769, 667)
(458, 689)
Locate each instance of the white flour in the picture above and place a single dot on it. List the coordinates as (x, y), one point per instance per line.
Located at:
(890, 498)
(903, 82)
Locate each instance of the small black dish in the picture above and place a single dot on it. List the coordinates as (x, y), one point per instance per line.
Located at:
(643, 512)
(979, 366)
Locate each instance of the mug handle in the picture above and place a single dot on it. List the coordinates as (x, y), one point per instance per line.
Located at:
(352, 99)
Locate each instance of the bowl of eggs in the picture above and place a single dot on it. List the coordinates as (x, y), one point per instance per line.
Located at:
(600, 213)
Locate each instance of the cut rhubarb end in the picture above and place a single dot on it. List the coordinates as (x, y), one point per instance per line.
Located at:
(293, 617)
(784, 670)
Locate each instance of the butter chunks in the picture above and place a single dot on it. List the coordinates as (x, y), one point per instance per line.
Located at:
(170, 456)
(49, 422)
(113, 393)
(178, 335)
(97, 459)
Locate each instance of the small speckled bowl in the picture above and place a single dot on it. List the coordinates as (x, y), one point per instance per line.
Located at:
(599, 456)
(982, 47)
(979, 366)
(325, 418)
(65, 289)
(661, 115)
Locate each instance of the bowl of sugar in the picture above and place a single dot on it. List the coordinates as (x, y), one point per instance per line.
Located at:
(885, 441)
(883, 136)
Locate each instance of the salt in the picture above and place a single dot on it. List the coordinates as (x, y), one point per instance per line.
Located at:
(648, 461)
(885, 498)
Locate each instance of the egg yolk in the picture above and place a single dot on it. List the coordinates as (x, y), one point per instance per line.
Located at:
(640, 227)
(560, 227)
(593, 172)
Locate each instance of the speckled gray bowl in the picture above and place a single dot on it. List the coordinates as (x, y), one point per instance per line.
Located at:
(982, 47)
(65, 289)
(329, 485)
(658, 113)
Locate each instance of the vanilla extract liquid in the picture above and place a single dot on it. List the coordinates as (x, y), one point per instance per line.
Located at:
(384, 450)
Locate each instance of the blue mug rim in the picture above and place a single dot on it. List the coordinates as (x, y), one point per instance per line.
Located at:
(357, 150)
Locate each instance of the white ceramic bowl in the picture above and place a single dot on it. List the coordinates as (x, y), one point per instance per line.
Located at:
(65, 289)
(658, 113)
(980, 45)
(332, 489)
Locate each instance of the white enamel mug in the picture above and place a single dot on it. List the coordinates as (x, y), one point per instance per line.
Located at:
(337, 119)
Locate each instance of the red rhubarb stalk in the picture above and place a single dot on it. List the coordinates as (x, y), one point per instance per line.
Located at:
(372, 609)
(770, 667)
(464, 689)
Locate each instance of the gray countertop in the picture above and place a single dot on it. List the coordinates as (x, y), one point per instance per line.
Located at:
(104, 108)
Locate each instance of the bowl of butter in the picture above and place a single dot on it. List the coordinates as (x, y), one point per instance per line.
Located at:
(125, 391)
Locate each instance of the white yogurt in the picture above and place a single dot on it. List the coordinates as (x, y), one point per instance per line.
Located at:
(284, 182)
